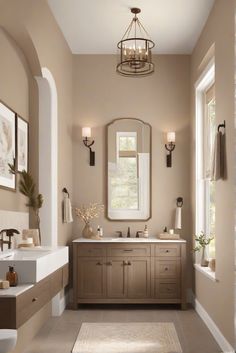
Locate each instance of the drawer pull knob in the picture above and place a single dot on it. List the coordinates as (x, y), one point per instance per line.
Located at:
(166, 269)
(99, 263)
(34, 299)
(128, 250)
(167, 250)
(129, 263)
(125, 263)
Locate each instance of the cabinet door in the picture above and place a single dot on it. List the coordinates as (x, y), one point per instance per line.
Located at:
(139, 277)
(116, 278)
(91, 277)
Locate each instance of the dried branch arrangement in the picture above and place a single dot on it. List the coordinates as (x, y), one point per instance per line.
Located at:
(90, 212)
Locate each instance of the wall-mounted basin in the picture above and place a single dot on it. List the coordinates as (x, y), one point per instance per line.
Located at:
(33, 265)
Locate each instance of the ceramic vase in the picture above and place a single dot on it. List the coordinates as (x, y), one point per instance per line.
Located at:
(204, 262)
(87, 232)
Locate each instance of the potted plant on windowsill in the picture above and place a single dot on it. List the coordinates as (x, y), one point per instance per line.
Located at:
(202, 242)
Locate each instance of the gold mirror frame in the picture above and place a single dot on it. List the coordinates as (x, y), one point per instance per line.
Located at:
(150, 176)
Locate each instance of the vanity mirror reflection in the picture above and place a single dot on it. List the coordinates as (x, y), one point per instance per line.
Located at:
(128, 170)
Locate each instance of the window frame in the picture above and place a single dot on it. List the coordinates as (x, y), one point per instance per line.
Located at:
(202, 186)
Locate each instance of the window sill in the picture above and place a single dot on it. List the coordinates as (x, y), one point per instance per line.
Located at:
(207, 272)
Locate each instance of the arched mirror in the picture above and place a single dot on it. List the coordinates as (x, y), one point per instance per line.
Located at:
(128, 170)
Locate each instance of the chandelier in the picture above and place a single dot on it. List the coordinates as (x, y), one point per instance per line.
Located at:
(135, 55)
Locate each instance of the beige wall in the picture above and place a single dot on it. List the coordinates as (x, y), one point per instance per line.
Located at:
(217, 297)
(36, 32)
(42, 44)
(14, 92)
(101, 95)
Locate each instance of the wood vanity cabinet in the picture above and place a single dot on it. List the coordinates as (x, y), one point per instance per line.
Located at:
(91, 272)
(129, 273)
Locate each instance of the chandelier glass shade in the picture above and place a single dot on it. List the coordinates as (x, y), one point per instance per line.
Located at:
(135, 50)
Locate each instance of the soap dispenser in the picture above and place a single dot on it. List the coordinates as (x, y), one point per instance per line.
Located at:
(145, 232)
(12, 277)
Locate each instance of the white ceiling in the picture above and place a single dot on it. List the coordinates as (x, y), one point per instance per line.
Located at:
(95, 26)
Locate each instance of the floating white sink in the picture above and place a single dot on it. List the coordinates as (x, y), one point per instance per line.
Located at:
(35, 264)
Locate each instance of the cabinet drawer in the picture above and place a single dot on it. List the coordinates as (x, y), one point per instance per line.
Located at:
(167, 268)
(167, 290)
(91, 250)
(129, 250)
(32, 301)
(167, 250)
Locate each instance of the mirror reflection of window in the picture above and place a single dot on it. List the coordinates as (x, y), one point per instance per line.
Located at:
(128, 168)
(124, 182)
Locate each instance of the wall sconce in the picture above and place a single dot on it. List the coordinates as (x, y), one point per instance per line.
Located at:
(170, 146)
(86, 133)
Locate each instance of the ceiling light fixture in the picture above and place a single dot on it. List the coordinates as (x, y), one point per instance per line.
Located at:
(135, 55)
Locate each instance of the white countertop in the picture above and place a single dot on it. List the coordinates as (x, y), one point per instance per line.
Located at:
(127, 240)
(15, 291)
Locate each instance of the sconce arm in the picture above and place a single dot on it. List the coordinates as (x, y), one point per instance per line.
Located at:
(87, 144)
(170, 147)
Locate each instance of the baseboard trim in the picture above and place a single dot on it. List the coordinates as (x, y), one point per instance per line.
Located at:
(215, 331)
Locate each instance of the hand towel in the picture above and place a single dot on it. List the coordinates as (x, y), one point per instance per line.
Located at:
(67, 209)
(178, 218)
(223, 157)
(218, 167)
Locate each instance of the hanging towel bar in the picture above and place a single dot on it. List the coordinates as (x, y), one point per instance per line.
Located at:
(179, 201)
(65, 191)
(221, 126)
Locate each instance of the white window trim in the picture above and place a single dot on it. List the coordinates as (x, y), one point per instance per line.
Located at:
(206, 79)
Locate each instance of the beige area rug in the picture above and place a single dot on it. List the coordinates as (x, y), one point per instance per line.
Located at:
(131, 337)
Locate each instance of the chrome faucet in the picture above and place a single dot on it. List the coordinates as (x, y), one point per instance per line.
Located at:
(9, 233)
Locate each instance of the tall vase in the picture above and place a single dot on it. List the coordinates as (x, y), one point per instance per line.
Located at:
(87, 232)
(204, 262)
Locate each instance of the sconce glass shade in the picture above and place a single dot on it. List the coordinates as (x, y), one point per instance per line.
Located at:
(171, 137)
(86, 132)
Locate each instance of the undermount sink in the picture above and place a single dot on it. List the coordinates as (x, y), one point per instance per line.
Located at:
(35, 264)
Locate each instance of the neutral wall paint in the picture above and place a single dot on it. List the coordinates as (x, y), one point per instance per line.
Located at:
(36, 32)
(24, 21)
(217, 297)
(14, 92)
(101, 95)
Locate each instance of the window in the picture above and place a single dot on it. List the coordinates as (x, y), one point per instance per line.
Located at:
(210, 133)
(205, 137)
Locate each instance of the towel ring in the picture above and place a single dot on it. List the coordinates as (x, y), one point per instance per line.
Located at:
(179, 202)
(65, 191)
(221, 126)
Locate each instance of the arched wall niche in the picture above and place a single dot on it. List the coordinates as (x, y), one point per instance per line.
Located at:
(45, 132)
(48, 145)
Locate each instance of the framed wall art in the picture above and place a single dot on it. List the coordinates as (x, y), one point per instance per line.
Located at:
(7, 146)
(22, 144)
